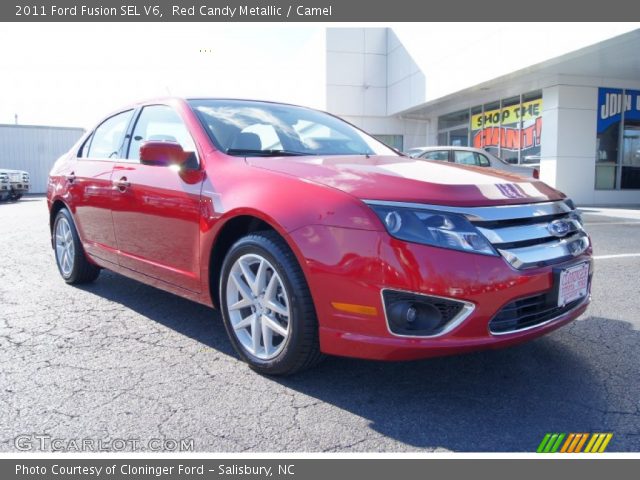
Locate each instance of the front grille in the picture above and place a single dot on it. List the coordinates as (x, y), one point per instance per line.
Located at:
(525, 236)
(528, 312)
(19, 177)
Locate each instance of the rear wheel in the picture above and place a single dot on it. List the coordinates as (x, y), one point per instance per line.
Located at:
(266, 306)
(70, 256)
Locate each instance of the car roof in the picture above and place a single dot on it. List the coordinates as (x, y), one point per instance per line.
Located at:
(453, 147)
(175, 99)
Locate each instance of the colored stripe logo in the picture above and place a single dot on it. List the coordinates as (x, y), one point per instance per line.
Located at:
(574, 443)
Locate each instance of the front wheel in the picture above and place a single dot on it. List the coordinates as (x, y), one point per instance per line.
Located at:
(70, 256)
(267, 307)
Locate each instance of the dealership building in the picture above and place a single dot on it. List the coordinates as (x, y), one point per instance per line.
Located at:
(576, 115)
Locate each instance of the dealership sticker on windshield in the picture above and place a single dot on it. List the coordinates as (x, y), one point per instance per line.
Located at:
(574, 283)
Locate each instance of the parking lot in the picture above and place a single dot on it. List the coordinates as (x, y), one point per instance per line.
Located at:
(121, 360)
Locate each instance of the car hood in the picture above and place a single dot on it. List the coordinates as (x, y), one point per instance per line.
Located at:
(405, 179)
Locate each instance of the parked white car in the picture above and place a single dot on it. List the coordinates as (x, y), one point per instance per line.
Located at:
(472, 156)
(13, 184)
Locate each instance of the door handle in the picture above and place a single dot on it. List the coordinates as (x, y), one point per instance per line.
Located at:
(122, 184)
(71, 177)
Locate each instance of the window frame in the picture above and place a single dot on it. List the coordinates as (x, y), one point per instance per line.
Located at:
(480, 155)
(91, 136)
(132, 126)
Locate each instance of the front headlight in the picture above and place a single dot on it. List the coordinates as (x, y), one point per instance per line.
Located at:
(431, 227)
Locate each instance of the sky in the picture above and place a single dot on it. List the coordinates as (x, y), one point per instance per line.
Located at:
(74, 74)
(69, 74)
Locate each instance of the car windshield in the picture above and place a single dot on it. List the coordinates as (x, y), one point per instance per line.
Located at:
(246, 128)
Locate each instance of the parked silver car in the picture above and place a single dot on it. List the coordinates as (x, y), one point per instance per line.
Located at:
(472, 156)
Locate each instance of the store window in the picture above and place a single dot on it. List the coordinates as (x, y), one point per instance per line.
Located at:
(394, 141)
(453, 129)
(618, 139)
(531, 129)
(510, 128)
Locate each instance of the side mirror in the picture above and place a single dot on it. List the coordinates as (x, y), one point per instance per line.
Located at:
(163, 153)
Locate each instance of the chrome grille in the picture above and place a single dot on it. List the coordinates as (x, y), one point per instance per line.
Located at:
(533, 235)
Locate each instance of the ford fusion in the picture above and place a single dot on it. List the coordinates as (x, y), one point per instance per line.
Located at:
(312, 237)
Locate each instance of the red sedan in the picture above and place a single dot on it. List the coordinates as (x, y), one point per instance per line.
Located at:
(312, 237)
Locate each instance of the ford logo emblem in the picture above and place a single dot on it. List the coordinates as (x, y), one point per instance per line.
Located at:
(559, 228)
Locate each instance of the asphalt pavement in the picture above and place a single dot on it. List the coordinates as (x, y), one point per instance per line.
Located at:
(120, 365)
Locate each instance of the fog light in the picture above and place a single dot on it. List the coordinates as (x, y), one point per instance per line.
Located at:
(416, 315)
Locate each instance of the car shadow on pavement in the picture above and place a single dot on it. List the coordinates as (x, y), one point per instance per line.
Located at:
(188, 318)
(573, 380)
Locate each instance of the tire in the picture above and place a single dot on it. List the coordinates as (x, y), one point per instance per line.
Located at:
(73, 265)
(288, 336)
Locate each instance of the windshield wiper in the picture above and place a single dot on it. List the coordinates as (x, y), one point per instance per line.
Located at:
(274, 152)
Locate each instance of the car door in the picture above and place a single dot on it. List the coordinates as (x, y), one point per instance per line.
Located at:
(90, 188)
(156, 211)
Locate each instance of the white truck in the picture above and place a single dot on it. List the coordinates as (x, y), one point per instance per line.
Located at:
(13, 184)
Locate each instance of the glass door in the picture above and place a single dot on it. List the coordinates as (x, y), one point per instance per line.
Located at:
(630, 175)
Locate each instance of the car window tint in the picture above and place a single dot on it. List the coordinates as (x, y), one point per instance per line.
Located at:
(108, 137)
(84, 150)
(242, 128)
(482, 160)
(442, 155)
(465, 158)
(267, 135)
(159, 122)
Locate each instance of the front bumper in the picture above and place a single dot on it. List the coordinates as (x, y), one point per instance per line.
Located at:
(20, 187)
(353, 268)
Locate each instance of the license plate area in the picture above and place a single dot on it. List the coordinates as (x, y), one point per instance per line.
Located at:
(572, 283)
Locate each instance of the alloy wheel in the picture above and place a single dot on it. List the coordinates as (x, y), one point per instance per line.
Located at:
(258, 306)
(65, 249)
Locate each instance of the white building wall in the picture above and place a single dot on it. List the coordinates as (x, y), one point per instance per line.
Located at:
(35, 149)
(568, 153)
(371, 76)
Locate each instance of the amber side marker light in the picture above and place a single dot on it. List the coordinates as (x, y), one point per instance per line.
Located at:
(353, 308)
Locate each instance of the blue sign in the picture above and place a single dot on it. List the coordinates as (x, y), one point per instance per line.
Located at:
(611, 103)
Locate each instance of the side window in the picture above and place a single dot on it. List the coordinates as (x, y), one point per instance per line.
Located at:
(442, 155)
(464, 157)
(482, 160)
(159, 122)
(84, 150)
(106, 140)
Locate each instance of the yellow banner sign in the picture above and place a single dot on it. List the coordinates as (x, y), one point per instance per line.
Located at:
(508, 115)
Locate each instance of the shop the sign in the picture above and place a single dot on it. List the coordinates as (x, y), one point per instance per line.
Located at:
(517, 127)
